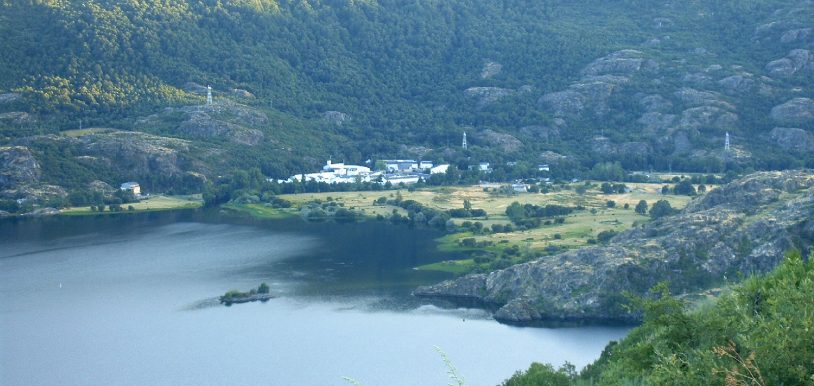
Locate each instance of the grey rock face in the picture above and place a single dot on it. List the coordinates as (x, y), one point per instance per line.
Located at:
(656, 122)
(802, 35)
(792, 139)
(335, 118)
(9, 97)
(567, 103)
(798, 60)
(691, 97)
(624, 62)
(18, 167)
(737, 84)
(542, 133)
(745, 226)
(490, 69)
(16, 118)
(655, 103)
(202, 125)
(503, 141)
(798, 111)
(487, 95)
(707, 117)
(137, 154)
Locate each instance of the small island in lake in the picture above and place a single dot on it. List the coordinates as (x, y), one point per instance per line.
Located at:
(261, 293)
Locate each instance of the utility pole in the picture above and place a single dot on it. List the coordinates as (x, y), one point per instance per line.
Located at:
(463, 145)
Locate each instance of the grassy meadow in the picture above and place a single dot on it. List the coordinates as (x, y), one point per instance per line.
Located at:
(576, 231)
(152, 204)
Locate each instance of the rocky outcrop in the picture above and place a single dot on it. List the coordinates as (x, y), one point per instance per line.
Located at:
(18, 167)
(796, 61)
(741, 228)
(200, 124)
(737, 84)
(708, 117)
(487, 95)
(624, 62)
(490, 69)
(793, 139)
(798, 111)
(9, 97)
(16, 118)
(137, 154)
(225, 120)
(336, 118)
(502, 141)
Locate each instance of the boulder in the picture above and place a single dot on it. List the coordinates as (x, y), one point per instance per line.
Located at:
(796, 61)
(737, 84)
(798, 35)
(798, 111)
(793, 139)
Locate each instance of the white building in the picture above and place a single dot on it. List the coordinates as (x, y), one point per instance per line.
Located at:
(131, 186)
(484, 166)
(424, 165)
(396, 179)
(400, 165)
(439, 169)
(543, 168)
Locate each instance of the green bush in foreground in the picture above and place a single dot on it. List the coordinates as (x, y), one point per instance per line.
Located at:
(761, 333)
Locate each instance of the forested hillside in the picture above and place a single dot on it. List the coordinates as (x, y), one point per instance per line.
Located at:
(649, 84)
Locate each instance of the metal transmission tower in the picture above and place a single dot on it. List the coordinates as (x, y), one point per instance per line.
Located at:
(209, 95)
(726, 143)
(463, 144)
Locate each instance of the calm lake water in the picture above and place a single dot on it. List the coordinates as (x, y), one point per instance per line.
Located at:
(130, 299)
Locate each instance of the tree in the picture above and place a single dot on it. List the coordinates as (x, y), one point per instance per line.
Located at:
(661, 208)
(685, 188)
(641, 207)
(665, 189)
(263, 288)
(467, 205)
(611, 204)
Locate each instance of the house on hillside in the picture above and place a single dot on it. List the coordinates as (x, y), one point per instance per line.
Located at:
(131, 186)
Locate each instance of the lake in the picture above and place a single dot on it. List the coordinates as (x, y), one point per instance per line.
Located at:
(131, 299)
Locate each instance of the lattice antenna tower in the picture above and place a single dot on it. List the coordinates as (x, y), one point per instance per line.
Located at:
(463, 144)
(726, 143)
(209, 95)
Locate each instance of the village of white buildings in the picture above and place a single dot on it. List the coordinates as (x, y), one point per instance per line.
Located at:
(393, 171)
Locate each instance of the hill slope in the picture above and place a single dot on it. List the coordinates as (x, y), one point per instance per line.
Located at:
(652, 85)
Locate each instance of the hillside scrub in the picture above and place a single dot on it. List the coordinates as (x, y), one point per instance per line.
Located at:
(758, 333)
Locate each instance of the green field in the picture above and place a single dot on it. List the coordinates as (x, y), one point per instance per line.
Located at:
(152, 204)
(578, 228)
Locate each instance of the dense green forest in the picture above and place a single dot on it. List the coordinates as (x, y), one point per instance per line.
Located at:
(759, 333)
(650, 85)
